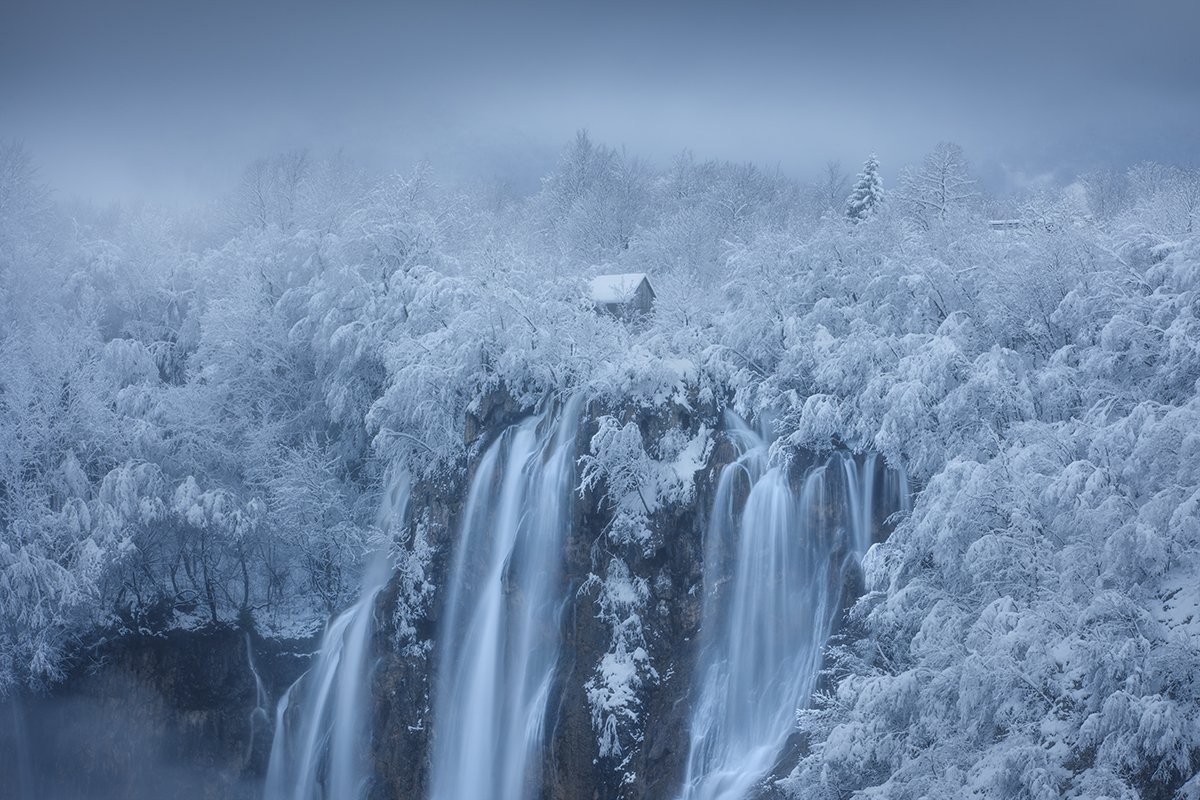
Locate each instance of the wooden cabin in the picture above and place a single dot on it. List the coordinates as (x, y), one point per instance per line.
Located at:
(627, 296)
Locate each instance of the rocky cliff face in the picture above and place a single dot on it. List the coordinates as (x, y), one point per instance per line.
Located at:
(182, 715)
(650, 761)
(141, 717)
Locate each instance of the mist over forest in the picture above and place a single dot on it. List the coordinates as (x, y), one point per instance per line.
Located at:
(745, 435)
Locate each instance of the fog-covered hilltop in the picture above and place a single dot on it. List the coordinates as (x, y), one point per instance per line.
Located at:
(199, 413)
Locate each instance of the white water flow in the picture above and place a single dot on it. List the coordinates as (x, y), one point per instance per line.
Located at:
(322, 741)
(774, 572)
(500, 639)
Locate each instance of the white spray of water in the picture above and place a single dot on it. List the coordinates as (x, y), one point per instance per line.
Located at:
(321, 723)
(499, 644)
(773, 579)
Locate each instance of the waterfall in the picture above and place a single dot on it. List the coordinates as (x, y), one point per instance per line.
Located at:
(321, 741)
(500, 637)
(773, 581)
(260, 715)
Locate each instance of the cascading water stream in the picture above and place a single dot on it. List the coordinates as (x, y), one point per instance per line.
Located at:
(773, 579)
(499, 643)
(321, 736)
(260, 715)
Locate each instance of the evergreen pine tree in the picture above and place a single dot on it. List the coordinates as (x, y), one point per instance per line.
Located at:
(867, 194)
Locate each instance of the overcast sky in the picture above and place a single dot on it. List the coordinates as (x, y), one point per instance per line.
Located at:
(169, 99)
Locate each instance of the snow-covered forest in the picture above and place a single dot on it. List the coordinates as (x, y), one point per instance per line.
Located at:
(199, 411)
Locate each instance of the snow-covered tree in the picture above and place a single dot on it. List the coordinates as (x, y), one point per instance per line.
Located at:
(867, 195)
(941, 186)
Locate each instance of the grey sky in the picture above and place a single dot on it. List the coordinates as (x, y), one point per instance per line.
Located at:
(169, 99)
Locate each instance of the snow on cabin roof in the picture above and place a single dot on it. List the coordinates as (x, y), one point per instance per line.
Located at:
(615, 288)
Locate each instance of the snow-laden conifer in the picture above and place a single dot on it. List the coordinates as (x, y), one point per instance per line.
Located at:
(867, 194)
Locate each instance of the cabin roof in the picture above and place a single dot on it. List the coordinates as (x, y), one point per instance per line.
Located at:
(617, 288)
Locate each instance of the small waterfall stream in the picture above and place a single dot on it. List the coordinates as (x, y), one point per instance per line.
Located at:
(321, 741)
(773, 581)
(499, 642)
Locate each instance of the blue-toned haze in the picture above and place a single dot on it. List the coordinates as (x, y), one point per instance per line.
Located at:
(169, 100)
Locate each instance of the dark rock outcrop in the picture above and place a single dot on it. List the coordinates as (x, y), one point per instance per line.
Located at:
(572, 768)
(173, 715)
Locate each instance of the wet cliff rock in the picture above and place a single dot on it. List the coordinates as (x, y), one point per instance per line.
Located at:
(140, 717)
(649, 765)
